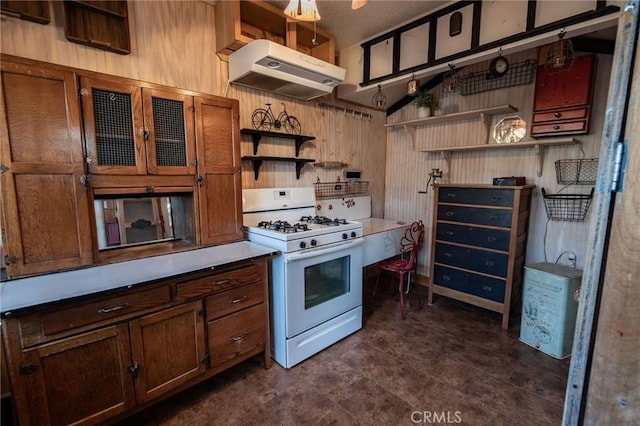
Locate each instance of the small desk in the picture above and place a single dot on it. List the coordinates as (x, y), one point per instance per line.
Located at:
(382, 239)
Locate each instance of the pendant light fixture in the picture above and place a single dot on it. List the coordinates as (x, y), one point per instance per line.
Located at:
(302, 10)
(560, 56)
(412, 86)
(379, 99)
(450, 80)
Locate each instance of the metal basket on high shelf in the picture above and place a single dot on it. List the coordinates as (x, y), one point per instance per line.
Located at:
(341, 189)
(567, 207)
(577, 172)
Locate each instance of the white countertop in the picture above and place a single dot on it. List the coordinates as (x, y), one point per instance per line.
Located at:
(375, 225)
(26, 292)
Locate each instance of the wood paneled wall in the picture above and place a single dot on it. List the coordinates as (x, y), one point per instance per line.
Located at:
(173, 43)
(407, 170)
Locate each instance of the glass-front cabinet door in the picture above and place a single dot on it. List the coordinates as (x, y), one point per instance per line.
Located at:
(131, 130)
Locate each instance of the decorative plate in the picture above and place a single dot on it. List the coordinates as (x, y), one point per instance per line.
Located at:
(510, 130)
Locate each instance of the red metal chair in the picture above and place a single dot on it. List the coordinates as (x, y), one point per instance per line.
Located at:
(410, 244)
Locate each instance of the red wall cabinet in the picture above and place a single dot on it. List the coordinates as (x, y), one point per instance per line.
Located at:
(562, 102)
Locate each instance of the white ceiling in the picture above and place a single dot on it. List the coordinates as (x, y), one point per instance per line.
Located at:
(352, 27)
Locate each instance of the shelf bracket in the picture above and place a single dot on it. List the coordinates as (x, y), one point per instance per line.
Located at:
(486, 121)
(446, 156)
(411, 132)
(256, 168)
(256, 142)
(299, 142)
(299, 166)
(539, 150)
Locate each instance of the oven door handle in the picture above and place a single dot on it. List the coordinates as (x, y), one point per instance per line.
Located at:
(305, 254)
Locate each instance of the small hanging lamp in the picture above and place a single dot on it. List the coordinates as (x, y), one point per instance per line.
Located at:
(379, 99)
(560, 56)
(412, 86)
(450, 80)
(302, 10)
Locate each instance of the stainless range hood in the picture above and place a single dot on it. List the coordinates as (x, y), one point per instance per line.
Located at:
(265, 65)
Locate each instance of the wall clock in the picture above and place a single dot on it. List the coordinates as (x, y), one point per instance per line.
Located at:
(498, 66)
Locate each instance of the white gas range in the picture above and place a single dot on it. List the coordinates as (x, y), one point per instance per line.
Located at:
(316, 288)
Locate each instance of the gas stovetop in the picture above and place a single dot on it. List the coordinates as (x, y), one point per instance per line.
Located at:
(306, 223)
(294, 235)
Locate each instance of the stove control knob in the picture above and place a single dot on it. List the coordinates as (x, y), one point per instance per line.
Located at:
(345, 236)
(353, 234)
(314, 243)
(303, 244)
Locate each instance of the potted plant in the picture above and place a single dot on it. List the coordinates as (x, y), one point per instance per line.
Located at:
(426, 102)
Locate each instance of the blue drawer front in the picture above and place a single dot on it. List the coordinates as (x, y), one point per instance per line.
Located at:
(474, 236)
(478, 285)
(493, 217)
(481, 196)
(476, 260)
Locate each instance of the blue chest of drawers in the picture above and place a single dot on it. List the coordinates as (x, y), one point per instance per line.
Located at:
(478, 245)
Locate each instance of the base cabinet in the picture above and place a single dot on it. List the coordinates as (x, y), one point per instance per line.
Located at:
(104, 358)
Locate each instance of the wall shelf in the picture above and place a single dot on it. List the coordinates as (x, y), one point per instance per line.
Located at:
(257, 163)
(257, 135)
(483, 114)
(538, 145)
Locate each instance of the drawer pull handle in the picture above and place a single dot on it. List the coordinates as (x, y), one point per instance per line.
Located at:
(451, 194)
(556, 127)
(220, 282)
(238, 300)
(487, 288)
(489, 263)
(450, 213)
(239, 338)
(115, 308)
(557, 115)
(491, 239)
(447, 254)
(496, 198)
(449, 232)
(494, 217)
(446, 277)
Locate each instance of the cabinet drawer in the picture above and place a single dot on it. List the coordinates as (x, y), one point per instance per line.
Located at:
(477, 260)
(572, 114)
(480, 196)
(220, 281)
(475, 236)
(236, 334)
(234, 300)
(493, 217)
(107, 308)
(552, 128)
(478, 285)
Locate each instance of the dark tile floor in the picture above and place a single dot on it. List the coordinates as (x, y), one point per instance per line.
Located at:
(448, 362)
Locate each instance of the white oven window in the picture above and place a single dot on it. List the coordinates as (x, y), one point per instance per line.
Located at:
(326, 281)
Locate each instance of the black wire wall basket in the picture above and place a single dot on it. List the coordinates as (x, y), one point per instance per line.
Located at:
(518, 73)
(577, 172)
(567, 207)
(341, 189)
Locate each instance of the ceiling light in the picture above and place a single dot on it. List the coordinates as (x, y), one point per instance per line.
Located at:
(302, 10)
(357, 4)
(379, 99)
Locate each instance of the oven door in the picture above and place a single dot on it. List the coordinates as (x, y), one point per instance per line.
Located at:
(322, 283)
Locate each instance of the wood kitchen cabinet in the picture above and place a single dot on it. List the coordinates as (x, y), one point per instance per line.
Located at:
(219, 170)
(134, 130)
(478, 244)
(240, 22)
(101, 358)
(42, 171)
(562, 100)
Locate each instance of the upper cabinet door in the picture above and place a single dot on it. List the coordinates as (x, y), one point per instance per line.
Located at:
(43, 164)
(132, 130)
(114, 128)
(218, 145)
(170, 133)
